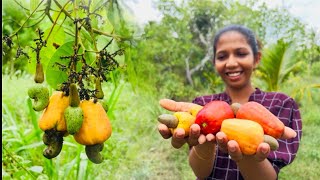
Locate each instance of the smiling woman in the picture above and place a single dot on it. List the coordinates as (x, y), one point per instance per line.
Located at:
(236, 55)
(214, 155)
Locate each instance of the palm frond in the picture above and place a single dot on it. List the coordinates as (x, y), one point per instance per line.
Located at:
(278, 62)
(271, 64)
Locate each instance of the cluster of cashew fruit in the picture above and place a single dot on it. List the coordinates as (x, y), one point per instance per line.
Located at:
(65, 114)
(249, 124)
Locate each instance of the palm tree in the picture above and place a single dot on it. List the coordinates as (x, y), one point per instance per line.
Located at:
(278, 63)
(281, 69)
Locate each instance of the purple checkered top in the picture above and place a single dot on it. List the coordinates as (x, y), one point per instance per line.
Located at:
(285, 108)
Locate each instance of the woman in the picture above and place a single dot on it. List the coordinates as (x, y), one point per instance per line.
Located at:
(236, 55)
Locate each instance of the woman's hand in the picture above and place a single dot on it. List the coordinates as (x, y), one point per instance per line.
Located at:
(178, 139)
(232, 148)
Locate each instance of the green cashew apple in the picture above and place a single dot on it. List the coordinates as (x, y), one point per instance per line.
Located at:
(99, 92)
(74, 119)
(39, 76)
(93, 153)
(40, 95)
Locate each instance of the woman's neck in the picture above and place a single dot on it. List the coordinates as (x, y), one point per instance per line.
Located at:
(240, 95)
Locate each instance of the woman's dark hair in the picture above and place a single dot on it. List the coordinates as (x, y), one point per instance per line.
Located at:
(246, 32)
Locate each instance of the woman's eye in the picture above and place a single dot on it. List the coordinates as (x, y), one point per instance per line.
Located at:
(242, 54)
(221, 57)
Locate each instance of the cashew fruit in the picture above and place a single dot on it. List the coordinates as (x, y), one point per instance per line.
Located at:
(54, 140)
(53, 116)
(270, 123)
(74, 119)
(248, 134)
(99, 93)
(40, 96)
(169, 120)
(96, 127)
(185, 120)
(93, 153)
(195, 109)
(39, 76)
(210, 117)
(273, 143)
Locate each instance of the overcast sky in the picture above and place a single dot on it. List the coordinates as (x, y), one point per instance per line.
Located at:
(306, 10)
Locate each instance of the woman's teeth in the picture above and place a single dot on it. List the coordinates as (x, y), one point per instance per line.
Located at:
(233, 74)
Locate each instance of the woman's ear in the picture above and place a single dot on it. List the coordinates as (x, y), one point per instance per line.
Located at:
(257, 60)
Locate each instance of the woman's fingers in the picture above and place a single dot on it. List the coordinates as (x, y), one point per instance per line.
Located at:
(234, 151)
(194, 135)
(174, 106)
(178, 138)
(263, 151)
(288, 133)
(210, 137)
(164, 131)
(222, 141)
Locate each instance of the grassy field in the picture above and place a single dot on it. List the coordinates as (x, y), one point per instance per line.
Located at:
(135, 149)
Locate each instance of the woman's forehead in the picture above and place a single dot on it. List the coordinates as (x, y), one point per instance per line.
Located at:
(232, 36)
(232, 39)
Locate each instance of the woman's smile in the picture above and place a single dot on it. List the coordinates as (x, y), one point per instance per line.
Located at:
(234, 76)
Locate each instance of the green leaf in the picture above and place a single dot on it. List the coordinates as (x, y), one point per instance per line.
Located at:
(102, 41)
(54, 75)
(37, 169)
(33, 5)
(132, 75)
(113, 15)
(29, 146)
(86, 35)
(59, 17)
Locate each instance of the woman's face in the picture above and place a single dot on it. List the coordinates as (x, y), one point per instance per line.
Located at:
(234, 60)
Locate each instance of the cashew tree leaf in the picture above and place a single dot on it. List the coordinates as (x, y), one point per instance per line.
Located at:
(55, 73)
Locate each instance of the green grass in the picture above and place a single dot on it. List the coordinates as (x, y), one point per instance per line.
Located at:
(307, 162)
(134, 151)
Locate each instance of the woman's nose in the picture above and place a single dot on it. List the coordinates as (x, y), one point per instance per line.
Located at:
(231, 62)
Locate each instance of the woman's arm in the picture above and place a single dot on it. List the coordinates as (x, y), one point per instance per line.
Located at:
(250, 168)
(201, 157)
